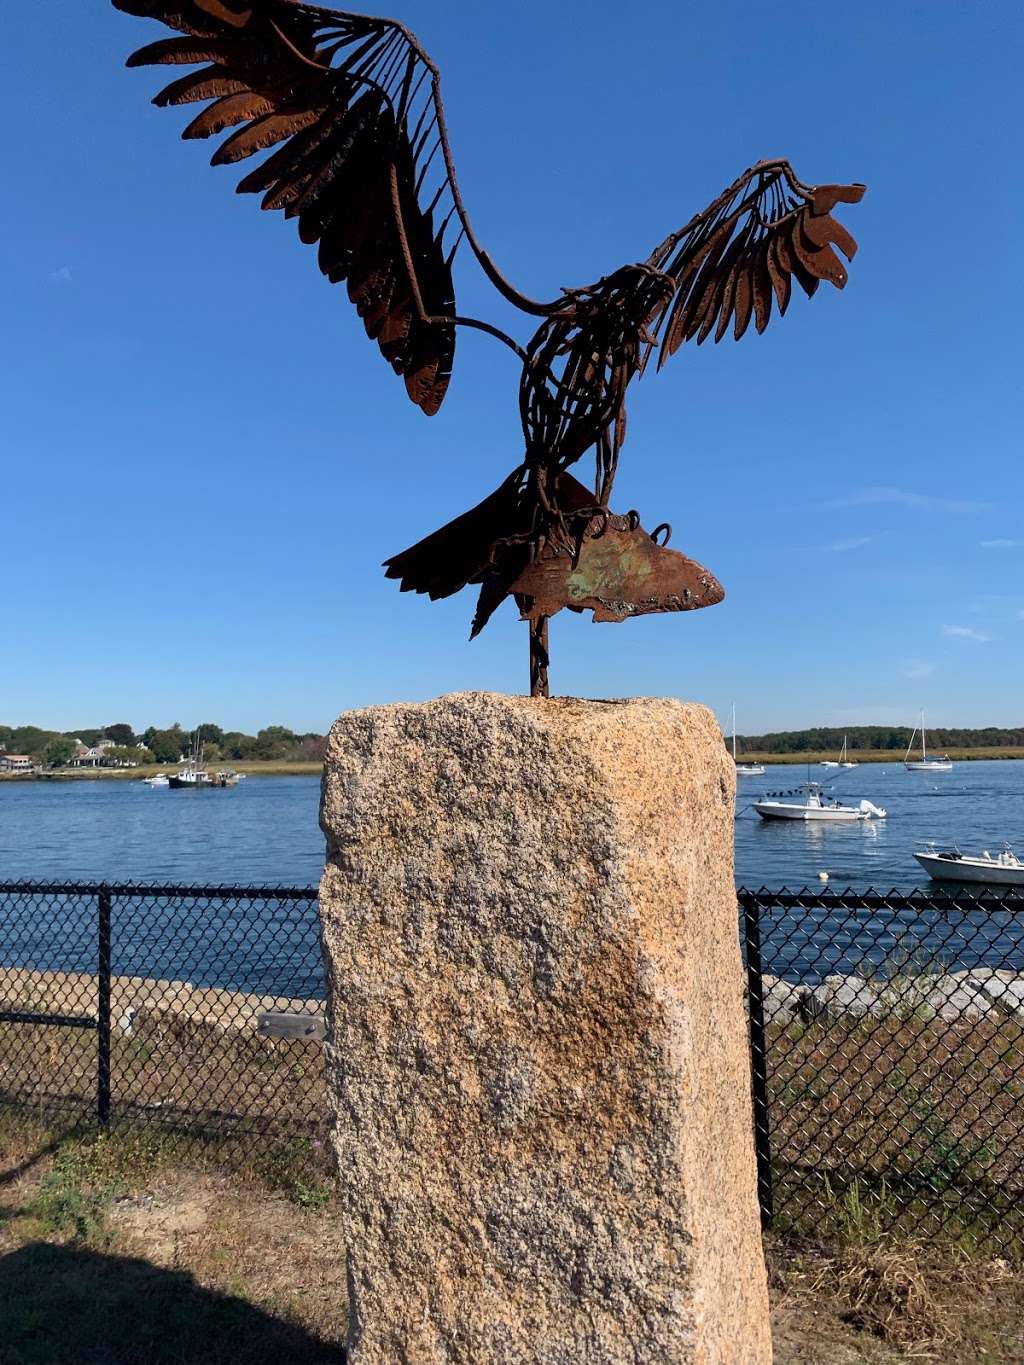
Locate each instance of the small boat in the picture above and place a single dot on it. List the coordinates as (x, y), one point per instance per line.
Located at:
(744, 769)
(157, 780)
(816, 806)
(950, 865)
(924, 764)
(842, 761)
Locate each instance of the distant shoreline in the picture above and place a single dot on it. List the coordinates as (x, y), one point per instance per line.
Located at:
(881, 756)
(285, 768)
(270, 768)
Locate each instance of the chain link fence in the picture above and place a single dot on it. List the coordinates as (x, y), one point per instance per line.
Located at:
(887, 1039)
(887, 1049)
(197, 1009)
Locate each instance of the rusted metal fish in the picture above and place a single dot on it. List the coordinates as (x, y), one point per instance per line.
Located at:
(620, 571)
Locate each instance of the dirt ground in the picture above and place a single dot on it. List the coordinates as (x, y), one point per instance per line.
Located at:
(115, 1256)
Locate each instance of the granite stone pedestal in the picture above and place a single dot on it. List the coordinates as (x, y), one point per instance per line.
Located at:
(537, 1056)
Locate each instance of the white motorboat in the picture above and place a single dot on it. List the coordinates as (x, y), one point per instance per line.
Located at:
(816, 806)
(157, 780)
(842, 761)
(924, 764)
(950, 865)
(744, 769)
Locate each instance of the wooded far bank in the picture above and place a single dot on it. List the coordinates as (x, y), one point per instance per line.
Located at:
(882, 740)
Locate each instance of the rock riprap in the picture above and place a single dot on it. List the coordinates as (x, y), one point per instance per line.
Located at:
(537, 1055)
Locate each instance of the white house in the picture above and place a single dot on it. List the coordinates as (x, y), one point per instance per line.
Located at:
(16, 763)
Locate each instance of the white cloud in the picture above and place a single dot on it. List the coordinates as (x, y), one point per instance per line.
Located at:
(849, 543)
(919, 502)
(62, 275)
(917, 668)
(966, 633)
(1001, 544)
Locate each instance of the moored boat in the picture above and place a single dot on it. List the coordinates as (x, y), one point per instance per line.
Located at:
(816, 806)
(744, 769)
(924, 764)
(950, 865)
(842, 761)
(192, 776)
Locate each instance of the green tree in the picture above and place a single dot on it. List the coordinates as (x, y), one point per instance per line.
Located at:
(167, 746)
(126, 754)
(210, 734)
(60, 750)
(29, 739)
(121, 734)
(236, 745)
(276, 741)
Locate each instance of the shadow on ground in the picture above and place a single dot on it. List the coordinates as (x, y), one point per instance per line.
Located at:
(71, 1306)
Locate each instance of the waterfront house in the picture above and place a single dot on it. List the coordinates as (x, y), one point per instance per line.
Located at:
(97, 756)
(15, 763)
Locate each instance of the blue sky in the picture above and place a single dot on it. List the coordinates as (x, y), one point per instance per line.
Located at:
(204, 460)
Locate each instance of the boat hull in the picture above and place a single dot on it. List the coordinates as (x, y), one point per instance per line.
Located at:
(928, 767)
(974, 871)
(778, 810)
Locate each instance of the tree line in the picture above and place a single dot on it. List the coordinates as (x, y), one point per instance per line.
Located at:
(823, 739)
(54, 748)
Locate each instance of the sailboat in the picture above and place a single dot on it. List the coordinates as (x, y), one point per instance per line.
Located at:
(924, 764)
(842, 761)
(744, 769)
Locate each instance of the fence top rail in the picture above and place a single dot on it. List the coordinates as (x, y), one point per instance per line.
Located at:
(921, 898)
(134, 890)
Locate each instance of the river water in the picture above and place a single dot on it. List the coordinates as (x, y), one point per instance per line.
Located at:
(265, 832)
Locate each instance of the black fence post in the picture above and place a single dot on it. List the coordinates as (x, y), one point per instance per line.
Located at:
(103, 1008)
(758, 1058)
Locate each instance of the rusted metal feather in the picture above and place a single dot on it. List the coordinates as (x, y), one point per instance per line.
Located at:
(762, 287)
(743, 299)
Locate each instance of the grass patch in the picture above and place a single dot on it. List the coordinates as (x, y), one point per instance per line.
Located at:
(72, 1202)
(901, 1127)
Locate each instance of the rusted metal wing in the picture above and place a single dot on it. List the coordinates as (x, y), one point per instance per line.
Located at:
(346, 106)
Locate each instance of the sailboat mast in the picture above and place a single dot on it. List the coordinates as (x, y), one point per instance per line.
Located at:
(924, 747)
(913, 736)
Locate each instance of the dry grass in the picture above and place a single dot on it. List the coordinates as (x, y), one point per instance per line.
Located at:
(222, 1249)
(895, 1301)
(123, 1251)
(173, 1074)
(900, 1125)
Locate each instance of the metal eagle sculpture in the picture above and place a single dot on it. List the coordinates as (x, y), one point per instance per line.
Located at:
(352, 106)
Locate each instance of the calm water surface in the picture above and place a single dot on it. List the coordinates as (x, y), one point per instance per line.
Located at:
(266, 831)
(977, 805)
